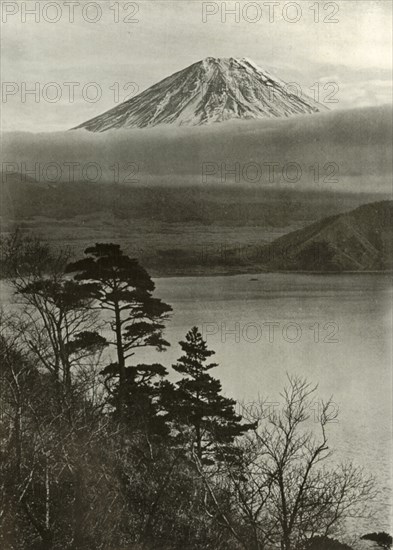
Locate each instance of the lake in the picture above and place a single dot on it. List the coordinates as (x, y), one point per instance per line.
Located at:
(336, 330)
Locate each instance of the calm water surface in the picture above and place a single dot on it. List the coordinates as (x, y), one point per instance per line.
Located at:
(335, 330)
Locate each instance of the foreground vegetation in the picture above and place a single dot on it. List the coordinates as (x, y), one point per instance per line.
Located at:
(102, 451)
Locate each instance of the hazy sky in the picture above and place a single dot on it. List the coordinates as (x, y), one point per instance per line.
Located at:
(154, 38)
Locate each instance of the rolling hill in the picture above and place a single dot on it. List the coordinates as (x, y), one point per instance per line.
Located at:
(223, 230)
(359, 240)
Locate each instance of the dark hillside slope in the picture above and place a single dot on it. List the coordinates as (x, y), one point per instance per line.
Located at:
(359, 240)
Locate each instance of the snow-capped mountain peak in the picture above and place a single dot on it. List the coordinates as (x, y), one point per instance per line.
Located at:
(211, 90)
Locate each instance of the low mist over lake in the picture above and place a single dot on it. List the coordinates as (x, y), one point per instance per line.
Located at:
(354, 143)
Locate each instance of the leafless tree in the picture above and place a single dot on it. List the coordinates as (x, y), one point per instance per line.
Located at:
(53, 315)
(289, 488)
(50, 467)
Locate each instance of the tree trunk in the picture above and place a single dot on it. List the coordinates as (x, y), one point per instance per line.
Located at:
(78, 513)
(120, 361)
(198, 440)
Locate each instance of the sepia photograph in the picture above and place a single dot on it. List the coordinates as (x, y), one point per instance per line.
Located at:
(196, 258)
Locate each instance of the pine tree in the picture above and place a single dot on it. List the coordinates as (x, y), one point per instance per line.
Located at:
(197, 402)
(123, 289)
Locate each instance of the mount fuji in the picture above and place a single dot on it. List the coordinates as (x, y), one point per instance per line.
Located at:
(211, 90)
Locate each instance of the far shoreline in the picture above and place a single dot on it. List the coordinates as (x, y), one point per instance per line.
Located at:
(254, 273)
